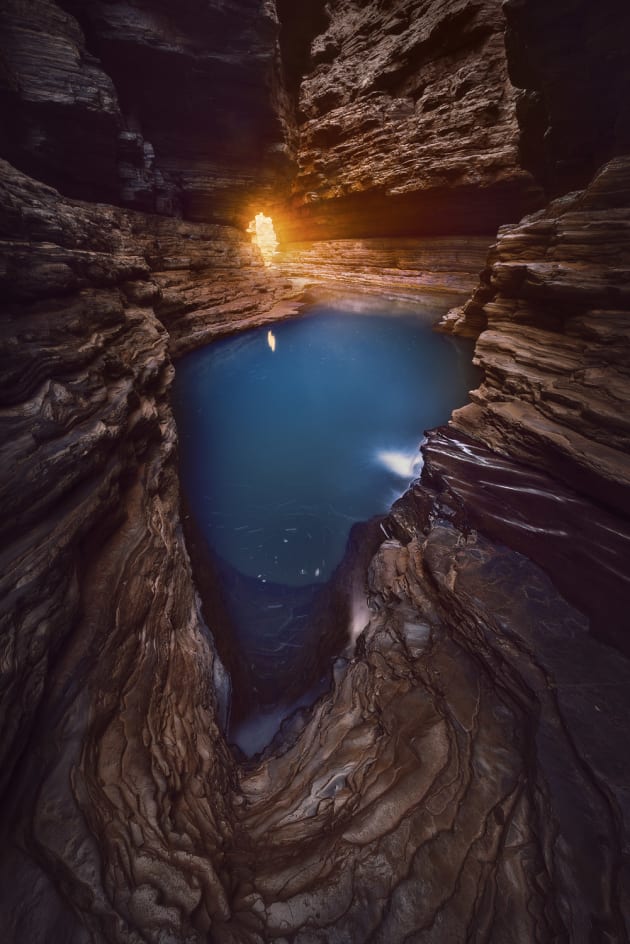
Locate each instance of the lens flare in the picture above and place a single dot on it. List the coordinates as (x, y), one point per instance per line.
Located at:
(264, 236)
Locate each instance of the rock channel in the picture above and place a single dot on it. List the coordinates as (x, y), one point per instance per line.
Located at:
(465, 778)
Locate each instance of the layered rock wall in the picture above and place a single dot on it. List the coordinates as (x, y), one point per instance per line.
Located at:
(554, 303)
(171, 109)
(407, 124)
(415, 269)
(556, 349)
(463, 780)
(111, 694)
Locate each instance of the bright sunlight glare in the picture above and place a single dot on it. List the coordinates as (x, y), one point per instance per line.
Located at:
(264, 236)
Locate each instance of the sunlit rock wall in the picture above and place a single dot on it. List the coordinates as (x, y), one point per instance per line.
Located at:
(407, 268)
(111, 696)
(407, 124)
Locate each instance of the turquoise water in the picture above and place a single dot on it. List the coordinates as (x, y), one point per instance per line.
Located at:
(288, 436)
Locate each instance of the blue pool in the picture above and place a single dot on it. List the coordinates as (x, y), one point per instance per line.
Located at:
(290, 434)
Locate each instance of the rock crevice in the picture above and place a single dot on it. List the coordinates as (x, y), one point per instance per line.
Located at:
(464, 779)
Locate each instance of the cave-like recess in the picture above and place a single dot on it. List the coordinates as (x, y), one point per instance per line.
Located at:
(464, 778)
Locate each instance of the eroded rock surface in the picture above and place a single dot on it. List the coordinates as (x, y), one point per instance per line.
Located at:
(137, 103)
(111, 692)
(407, 124)
(402, 268)
(465, 779)
(555, 352)
(454, 760)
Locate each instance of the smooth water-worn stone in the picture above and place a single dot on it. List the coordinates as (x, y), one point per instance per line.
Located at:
(556, 345)
(407, 125)
(466, 776)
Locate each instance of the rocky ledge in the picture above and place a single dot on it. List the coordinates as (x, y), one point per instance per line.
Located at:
(555, 303)
(407, 125)
(437, 267)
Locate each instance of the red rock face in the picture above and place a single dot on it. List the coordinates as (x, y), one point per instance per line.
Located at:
(407, 124)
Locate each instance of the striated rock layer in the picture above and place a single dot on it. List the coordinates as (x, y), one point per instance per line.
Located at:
(111, 694)
(465, 777)
(407, 124)
(176, 109)
(555, 302)
(415, 269)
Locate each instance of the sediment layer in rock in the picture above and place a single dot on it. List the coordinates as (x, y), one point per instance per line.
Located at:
(404, 268)
(407, 125)
(556, 301)
(136, 103)
(106, 662)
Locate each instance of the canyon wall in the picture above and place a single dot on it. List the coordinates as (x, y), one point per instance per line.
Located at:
(465, 778)
(176, 109)
(421, 269)
(407, 125)
(112, 696)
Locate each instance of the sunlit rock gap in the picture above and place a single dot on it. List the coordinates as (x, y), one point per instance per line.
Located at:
(264, 236)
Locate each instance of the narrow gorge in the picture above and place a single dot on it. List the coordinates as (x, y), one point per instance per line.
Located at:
(461, 774)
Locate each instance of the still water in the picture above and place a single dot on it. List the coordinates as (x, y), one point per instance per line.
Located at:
(289, 435)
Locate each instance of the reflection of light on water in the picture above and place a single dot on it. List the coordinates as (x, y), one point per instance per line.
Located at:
(271, 340)
(264, 236)
(406, 465)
